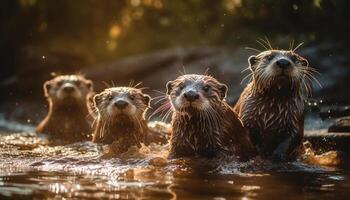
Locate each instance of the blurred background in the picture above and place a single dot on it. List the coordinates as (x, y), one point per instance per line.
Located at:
(152, 41)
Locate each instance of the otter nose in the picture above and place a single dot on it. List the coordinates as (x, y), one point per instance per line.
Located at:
(191, 96)
(121, 104)
(68, 89)
(283, 63)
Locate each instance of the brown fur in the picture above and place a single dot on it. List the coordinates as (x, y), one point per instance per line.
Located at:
(212, 131)
(129, 128)
(67, 118)
(271, 107)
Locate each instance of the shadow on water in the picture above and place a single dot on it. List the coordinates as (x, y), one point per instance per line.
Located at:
(31, 169)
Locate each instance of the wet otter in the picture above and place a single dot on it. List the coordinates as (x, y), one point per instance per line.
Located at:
(121, 118)
(67, 118)
(203, 124)
(271, 107)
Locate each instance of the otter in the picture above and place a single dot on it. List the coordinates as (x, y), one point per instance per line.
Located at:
(67, 118)
(203, 124)
(121, 119)
(271, 106)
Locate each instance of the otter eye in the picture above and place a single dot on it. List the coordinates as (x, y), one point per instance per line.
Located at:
(269, 57)
(304, 62)
(132, 97)
(206, 88)
(59, 84)
(181, 86)
(110, 97)
(294, 58)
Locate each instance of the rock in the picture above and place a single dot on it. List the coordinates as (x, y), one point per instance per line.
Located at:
(341, 125)
(158, 162)
(334, 111)
(323, 141)
(330, 158)
(155, 69)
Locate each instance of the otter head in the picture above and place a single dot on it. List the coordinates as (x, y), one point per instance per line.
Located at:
(276, 69)
(68, 89)
(122, 101)
(190, 93)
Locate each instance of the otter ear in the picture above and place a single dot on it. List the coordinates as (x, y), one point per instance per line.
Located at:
(146, 99)
(223, 90)
(90, 85)
(252, 61)
(47, 87)
(97, 99)
(169, 87)
(304, 62)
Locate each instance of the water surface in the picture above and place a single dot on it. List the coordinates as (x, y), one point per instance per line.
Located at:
(31, 169)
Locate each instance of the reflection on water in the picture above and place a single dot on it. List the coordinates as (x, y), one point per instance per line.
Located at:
(30, 169)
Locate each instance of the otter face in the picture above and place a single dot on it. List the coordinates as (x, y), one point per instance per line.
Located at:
(68, 88)
(195, 92)
(276, 67)
(121, 101)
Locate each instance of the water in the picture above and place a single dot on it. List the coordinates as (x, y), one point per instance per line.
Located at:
(30, 169)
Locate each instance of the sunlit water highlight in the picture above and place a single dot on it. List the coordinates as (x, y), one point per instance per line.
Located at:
(31, 169)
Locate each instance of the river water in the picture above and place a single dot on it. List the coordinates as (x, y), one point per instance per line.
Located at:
(30, 169)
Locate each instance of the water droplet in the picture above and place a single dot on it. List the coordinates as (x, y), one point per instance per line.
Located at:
(295, 7)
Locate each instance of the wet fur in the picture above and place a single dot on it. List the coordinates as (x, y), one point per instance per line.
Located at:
(209, 133)
(125, 129)
(272, 109)
(67, 120)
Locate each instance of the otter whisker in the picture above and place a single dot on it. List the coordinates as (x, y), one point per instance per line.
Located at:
(253, 49)
(291, 45)
(245, 69)
(307, 87)
(138, 122)
(113, 84)
(206, 72)
(160, 99)
(267, 41)
(166, 106)
(160, 92)
(106, 84)
(166, 116)
(183, 72)
(298, 46)
(94, 121)
(312, 70)
(247, 76)
(137, 85)
(262, 44)
(314, 78)
(160, 96)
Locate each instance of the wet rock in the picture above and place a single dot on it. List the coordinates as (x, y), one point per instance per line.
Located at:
(158, 162)
(330, 158)
(323, 141)
(340, 125)
(334, 111)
